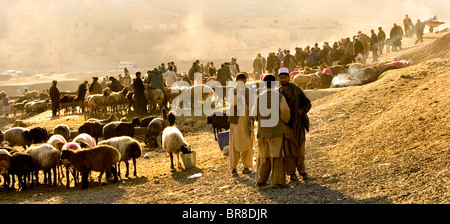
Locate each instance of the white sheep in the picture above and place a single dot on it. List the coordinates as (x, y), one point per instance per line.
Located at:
(18, 136)
(173, 142)
(46, 158)
(128, 148)
(63, 130)
(86, 139)
(57, 141)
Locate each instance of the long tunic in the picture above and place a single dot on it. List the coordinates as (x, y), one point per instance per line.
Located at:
(55, 98)
(270, 143)
(295, 139)
(241, 133)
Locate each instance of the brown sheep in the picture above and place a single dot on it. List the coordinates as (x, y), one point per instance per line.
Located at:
(117, 98)
(102, 158)
(94, 129)
(301, 80)
(154, 97)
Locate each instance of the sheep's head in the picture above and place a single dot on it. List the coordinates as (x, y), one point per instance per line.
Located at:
(136, 122)
(185, 149)
(65, 156)
(71, 146)
(82, 144)
(28, 138)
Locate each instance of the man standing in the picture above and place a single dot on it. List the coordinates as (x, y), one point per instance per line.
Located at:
(156, 80)
(169, 77)
(140, 105)
(419, 31)
(234, 67)
(54, 97)
(358, 49)
(95, 87)
(115, 84)
(407, 23)
(271, 132)
(396, 35)
(374, 46)
(212, 70)
(224, 75)
(381, 39)
(299, 106)
(82, 88)
(241, 126)
(365, 40)
(258, 65)
(271, 60)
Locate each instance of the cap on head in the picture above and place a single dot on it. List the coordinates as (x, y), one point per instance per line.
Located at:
(283, 71)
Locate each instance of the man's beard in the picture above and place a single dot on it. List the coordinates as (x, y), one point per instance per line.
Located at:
(284, 83)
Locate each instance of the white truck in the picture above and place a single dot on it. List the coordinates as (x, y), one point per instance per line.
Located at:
(125, 64)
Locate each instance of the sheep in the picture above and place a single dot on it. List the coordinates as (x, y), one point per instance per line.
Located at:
(117, 98)
(157, 125)
(71, 146)
(146, 121)
(62, 130)
(98, 101)
(174, 143)
(57, 141)
(219, 121)
(18, 107)
(204, 90)
(102, 158)
(21, 165)
(18, 136)
(111, 118)
(301, 80)
(155, 128)
(5, 165)
(69, 101)
(115, 129)
(93, 128)
(154, 97)
(32, 94)
(128, 148)
(39, 106)
(46, 158)
(86, 139)
(124, 129)
(108, 130)
(39, 135)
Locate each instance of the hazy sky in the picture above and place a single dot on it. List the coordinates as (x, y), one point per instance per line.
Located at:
(29, 23)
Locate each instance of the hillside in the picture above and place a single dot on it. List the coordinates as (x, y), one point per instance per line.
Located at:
(383, 142)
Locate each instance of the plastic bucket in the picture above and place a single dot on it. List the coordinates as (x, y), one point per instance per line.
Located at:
(223, 138)
(189, 159)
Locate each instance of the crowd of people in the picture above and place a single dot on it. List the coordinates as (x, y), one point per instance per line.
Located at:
(344, 51)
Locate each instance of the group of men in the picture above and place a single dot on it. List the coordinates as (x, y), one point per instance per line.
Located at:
(281, 142)
(344, 51)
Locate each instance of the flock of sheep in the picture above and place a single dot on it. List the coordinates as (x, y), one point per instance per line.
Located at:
(49, 152)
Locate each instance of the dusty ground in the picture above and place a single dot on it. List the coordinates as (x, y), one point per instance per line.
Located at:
(384, 142)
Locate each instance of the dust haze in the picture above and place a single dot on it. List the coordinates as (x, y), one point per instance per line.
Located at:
(49, 36)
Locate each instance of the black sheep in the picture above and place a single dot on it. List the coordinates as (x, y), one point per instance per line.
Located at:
(21, 165)
(39, 135)
(94, 129)
(146, 121)
(219, 121)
